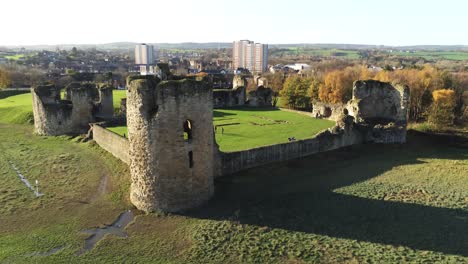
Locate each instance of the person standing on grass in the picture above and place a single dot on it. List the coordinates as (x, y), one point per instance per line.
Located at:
(222, 130)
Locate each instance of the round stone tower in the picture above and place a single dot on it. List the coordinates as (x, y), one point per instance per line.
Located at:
(170, 130)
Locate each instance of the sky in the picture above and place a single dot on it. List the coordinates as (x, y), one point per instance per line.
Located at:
(376, 22)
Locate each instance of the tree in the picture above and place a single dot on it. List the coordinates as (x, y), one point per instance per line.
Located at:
(338, 86)
(288, 93)
(443, 108)
(275, 81)
(5, 80)
(301, 92)
(313, 91)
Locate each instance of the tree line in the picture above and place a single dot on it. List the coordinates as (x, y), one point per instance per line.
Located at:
(435, 94)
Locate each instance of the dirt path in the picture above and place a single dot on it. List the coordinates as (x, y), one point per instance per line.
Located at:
(102, 188)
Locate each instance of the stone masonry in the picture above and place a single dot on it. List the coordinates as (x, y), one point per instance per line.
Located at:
(380, 108)
(54, 116)
(170, 130)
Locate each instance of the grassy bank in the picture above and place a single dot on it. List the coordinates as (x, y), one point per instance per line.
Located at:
(365, 204)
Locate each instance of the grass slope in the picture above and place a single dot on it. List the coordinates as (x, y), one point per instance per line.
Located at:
(366, 204)
(16, 109)
(246, 128)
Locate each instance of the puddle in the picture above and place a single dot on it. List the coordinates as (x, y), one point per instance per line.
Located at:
(25, 181)
(116, 228)
(47, 253)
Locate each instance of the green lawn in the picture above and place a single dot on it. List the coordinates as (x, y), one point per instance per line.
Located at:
(296, 51)
(15, 57)
(118, 95)
(17, 109)
(365, 204)
(434, 55)
(246, 128)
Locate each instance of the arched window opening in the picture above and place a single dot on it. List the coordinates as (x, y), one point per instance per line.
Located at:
(188, 130)
(190, 156)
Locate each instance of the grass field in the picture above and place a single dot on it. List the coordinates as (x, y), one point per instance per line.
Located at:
(435, 55)
(246, 128)
(353, 54)
(365, 204)
(296, 51)
(16, 109)
(15, 57)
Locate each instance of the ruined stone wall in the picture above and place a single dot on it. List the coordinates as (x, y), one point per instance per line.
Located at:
(105, 104)
(111, 142)
(261, 97)
(337, 137)
(328, 111)
(170, 172)
(229, 97)
(53, 116)
(239, 81)
(375, 101)
(84, 102)
(123, 107)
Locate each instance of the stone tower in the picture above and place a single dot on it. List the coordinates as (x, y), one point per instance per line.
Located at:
(170, 130)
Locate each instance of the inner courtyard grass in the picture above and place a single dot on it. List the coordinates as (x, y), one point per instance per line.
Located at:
(244, 128)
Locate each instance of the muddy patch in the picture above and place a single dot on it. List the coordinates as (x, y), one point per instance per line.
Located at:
(117, 228)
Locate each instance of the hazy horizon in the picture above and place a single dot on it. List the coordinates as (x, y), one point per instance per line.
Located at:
(360, 22)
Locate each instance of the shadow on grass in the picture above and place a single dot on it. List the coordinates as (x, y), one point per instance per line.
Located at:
(221, 114)
(298, 196)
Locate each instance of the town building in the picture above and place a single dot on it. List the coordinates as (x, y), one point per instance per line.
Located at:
(250, 55)
(145, 59)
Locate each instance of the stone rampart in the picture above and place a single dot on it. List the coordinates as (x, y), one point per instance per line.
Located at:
(112, 142)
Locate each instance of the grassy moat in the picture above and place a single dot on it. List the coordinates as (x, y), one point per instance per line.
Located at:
(363, 204)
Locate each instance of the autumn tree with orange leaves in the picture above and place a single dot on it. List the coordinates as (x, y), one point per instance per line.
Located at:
(443, 108)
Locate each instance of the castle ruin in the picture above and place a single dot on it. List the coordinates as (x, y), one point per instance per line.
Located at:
(171, 148)
(379, 106)
(170, 130)
(83, 104)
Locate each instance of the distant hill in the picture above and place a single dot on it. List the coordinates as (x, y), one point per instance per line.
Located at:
(216, 45)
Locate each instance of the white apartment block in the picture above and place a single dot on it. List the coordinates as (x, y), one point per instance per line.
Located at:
(144, 54)
(250, 55)
(145, 59)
